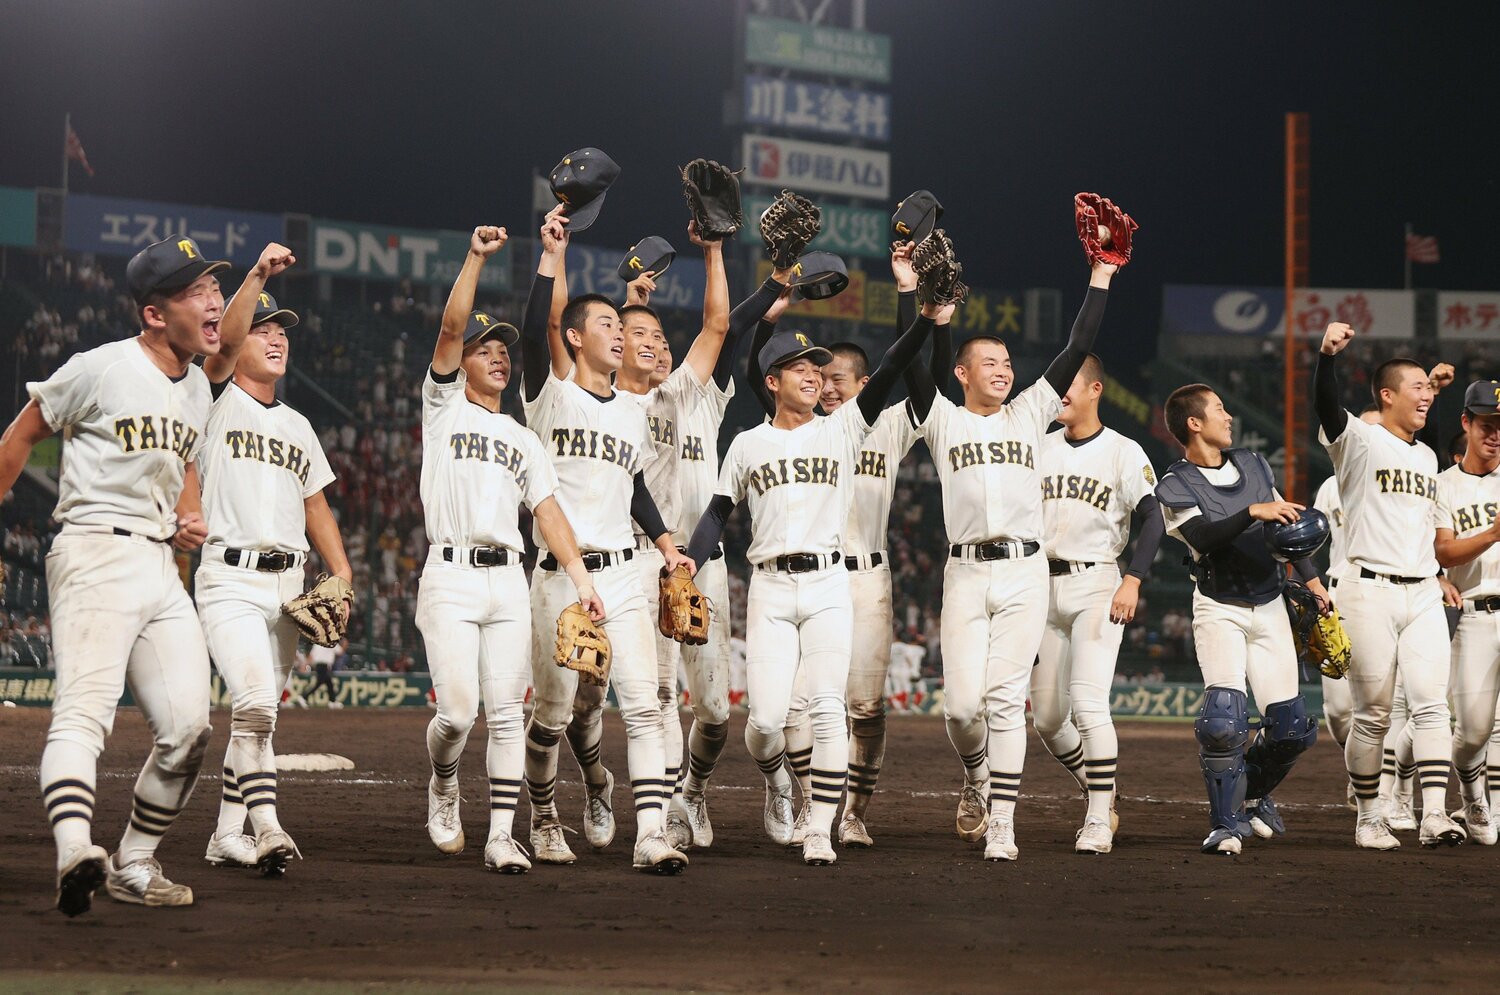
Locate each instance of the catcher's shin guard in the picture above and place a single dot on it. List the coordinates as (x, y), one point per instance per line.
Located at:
(1223, 728)
(1286, 730)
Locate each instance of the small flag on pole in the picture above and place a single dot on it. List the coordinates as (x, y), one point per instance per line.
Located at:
(74, 151)
(1421, 248)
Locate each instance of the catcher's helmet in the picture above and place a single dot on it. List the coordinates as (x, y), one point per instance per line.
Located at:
(1300, 539)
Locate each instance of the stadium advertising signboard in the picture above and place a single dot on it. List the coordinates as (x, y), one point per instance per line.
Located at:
(119, 227)
(813, 167)
(372, 252)
(827, 110)
(847, 231)
(593, 270)
(772, 41)
(17, 217)
(1206, 310)
(1467, 314)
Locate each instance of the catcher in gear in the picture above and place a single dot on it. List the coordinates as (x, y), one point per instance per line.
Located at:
(685, 611)
(787, 225)
(712, 192)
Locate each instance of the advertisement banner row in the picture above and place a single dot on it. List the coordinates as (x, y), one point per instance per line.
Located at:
(120, 227)
(375, 252)
(773, 41)
(814, 167)
(799, 105)
(1260, 311)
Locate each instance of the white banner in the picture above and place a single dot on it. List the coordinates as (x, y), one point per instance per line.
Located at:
(1468, 314)
(813, 167)
(1211, 310)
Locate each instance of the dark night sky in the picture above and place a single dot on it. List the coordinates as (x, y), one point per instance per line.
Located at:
(433, 114)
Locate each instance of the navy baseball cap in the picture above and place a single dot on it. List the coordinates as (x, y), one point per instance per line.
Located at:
(170, 264)
(916, 216)
(785, 347)
(819, 275)
(652, 253)
(266, 310)
(481, 326)
(580, 182)
(1482, 398)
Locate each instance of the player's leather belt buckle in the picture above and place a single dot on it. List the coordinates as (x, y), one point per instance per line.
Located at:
(1057, 568)
(718, 553)
(1365, 574)
(869, 562)
(1490, 604)
(998, 549)
(801, 563)
(274, 562)
(593, 562)
(482, 556)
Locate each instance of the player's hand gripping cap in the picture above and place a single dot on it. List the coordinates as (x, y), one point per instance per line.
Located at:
(1293, 541)
(323, 612)
(685, 611)
(787, 226)
(712, 192)
(1103, 228)
(167, 265)
(1320, 638)
(582, 646)
(938, 270)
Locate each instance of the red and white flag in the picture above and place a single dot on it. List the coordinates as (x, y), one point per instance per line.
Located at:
(1421, 248)
(74, 150)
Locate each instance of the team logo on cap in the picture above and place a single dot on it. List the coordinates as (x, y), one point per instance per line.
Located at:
(265, 300)
(483, 319)
(634, 262)
(803, 340)
(186, 245)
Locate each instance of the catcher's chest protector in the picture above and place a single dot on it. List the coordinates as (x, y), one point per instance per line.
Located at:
(1244, 572)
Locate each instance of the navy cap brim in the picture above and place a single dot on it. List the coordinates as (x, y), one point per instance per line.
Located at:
(580, 218)
(502, 330)
(286, 317)
(185, 276)
(819, 356)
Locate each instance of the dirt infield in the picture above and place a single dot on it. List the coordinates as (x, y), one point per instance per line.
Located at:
(375, 907)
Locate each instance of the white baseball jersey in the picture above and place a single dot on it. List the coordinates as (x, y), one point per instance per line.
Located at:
(798, 481)
(875, 479)
(260, 463)
(1327, 501)
(129, 432)
(596, 445)
(1089, 489)
(667, 406)
(988, 465)
(478, 466)
(698, 470)
(1468, 503)
(1390, 493)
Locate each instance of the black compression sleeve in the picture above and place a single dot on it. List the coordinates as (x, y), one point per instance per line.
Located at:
(710, 528)
(1305, 570)
(1331, 414)
(940, 366)
(920, 390)
(906, 308)
(743, 318)
(763, 333)
(643, 509)
(536, 361)
(892, 366)
(1152, 528)
(1208, 537)
(1080, 341)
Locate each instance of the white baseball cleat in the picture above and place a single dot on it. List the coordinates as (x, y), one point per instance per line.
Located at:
(443, 824)
(1438, 829)
(852, 831)
(1402, 817)
(1222, 841)
(1477, 820)
(1095, 836)
(1374, 833)
(697, 815)
(817, 849)
(273, 848)
(503, 854)
(973, 812)
(79, 875)
(141, 882)
(779, 815)
(599, 813)
(549, 844)
(655, 855)
(1000, 840)
(233, 850)
(799, 828)
(677, 827)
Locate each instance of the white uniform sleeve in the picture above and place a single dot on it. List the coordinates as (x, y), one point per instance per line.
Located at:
(1174, 517)
(541, 475)
(321, 474)
(436, 393)
(903, 432)
(1136, 477)
(731, 474)
(852, 420)
(539, 408)
(931, 429)
(1354, 439)
(683, 389)
(1442, 508)
(67, 395)
(1041, 404)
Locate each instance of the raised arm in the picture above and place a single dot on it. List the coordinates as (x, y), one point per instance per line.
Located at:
(449, 351)
(554, 235)
(764, 329)
(747, 315)
(1085, 329)
(898, 359)
(712, 342)
(541, 354)
(240, 311)
(1326, 400)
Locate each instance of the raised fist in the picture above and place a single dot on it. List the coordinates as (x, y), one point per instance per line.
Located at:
(487, 240)
(1441, 376)
(1338, 336)
(274, 258)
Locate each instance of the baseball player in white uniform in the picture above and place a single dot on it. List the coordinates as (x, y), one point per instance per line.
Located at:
(796, 472)
(478, 467)
(1094, 480)
(133, 414)
(995, 583)
(263, 471)
(599, 446)
(1389, 596)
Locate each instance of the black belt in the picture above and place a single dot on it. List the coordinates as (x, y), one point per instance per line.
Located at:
(274, 562)
(801, 563)
(592, 562)
(126, 532)
(1057, 568)
(485, 556)
(1372, 575)
(852, 562)
(986, 551)
(1490, 604)
(718, 553)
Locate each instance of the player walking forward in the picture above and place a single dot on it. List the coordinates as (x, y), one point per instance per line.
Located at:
(263, 473)
(478, 466)
(1388, 591)
(795, 471)
(1214, 502)
(1093, 481)
(133, 414)
(995, 584)
(599, 447)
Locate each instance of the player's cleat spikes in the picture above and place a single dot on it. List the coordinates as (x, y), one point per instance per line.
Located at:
(973, 812)
(1095, 836)
(1221, 841)
(677, 828)
(1374, 833)
(655, 855)
(1440, 830)
(852, 831)
(1264, 819)
(273, 848)
(504, 855)
(697, 813)
(1402, 819)
(79, 875)
(599, 813)
(1000, 840)
(549, 844)
(779, 814)
(443, 823)
(799, 828)
(1477, 821)
(817, 849)
(141, 882)
(233, 850)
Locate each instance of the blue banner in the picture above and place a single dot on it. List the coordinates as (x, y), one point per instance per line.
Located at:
(119, 227)
(815, 107)
(593, 271)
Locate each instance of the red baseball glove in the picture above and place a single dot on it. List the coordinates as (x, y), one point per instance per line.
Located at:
(1103, 228)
